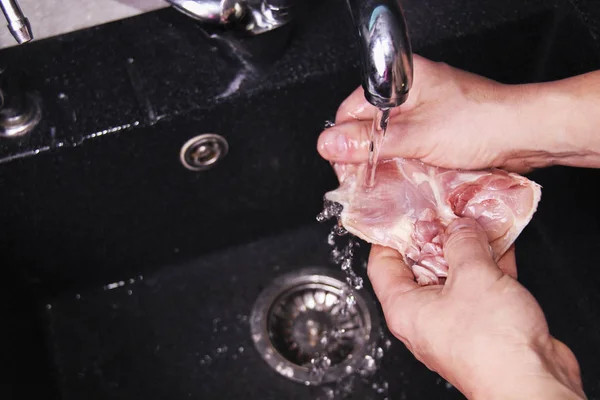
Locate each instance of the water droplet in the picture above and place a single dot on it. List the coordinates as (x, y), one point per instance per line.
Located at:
(78, 296)
(328, 124)
(222, 350)
(369, 366)
(242, 318)
(240, 349)
(319, 366)
(206, 360)
(346, 264)
(331, 209)
(379, 353)
(331, 239)
(329, 393)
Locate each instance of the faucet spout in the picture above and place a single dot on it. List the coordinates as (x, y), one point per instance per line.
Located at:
(386, 54)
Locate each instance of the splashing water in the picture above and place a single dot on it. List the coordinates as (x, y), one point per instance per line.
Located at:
(365, 371)
(364, 374)
(378, 131)
(331, 209)
(319, 366)
(343, 256)
(329, 124)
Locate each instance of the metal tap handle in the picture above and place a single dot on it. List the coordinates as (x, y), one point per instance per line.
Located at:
(18, 24)
(386, 54)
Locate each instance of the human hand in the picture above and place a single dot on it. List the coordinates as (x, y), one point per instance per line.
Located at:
(482, 331)
(457, 119)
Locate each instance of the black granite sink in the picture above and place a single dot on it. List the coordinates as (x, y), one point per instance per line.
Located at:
(122, 270)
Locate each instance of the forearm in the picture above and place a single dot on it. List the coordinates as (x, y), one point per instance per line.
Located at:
(562, 120)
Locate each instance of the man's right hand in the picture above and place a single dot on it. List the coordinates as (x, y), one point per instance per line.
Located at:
(482, 330)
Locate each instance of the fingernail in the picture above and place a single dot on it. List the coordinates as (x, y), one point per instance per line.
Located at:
(335, 143)
(460, 224)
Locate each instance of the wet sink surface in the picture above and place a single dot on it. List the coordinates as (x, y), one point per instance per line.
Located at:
(183, 332)
(129, 277)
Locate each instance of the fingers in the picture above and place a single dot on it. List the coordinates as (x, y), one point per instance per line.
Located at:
(469, 256)
(508, 263)
(389, 275)
(355, 107)
(349, 142)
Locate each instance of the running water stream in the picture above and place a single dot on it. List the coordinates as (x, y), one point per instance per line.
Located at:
(344, 247)
(378, 130)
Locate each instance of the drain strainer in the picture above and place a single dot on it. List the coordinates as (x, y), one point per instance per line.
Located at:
(304, 327)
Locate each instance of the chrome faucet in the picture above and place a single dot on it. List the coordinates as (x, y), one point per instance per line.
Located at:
(386, 54)
(18, 24)
(254, 16)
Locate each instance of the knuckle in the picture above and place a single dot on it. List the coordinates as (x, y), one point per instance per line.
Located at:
(468, 264)
(467, 239)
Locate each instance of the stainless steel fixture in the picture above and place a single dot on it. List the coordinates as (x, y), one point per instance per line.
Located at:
(19, 113)
(386, 53)
(18, 24)
(302, 327)
(254, 16)
(203, 152)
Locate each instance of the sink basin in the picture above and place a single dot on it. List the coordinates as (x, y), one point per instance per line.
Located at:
(129, 276)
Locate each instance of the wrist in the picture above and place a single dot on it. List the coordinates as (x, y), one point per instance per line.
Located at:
(556, 122)
(545, 372)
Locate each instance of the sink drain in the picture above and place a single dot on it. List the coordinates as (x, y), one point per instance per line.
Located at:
(304, 328)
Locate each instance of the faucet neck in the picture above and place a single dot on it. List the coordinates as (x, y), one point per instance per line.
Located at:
(386, 54)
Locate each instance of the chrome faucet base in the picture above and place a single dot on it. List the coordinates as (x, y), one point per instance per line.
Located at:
(253, 16)
(20, 120)
(386, 54)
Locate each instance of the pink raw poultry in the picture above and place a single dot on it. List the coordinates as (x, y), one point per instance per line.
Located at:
(412, 203)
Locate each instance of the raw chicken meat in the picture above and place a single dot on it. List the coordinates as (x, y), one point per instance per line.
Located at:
(412, 203)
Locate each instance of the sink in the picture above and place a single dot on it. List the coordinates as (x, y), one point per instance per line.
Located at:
(127, 275)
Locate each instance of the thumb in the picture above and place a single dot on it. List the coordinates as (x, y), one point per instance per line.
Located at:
(469, 255)
(349, 142)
